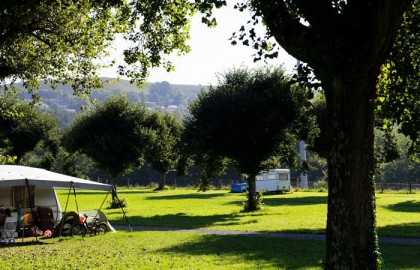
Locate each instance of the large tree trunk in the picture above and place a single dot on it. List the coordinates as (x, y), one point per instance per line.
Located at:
(252, 194)
(162, 181)
(351, 233)
(114, 184)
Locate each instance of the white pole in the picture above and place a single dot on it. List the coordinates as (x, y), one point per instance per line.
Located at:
(302, 156)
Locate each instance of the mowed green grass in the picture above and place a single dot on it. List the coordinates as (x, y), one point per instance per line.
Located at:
(398, 215)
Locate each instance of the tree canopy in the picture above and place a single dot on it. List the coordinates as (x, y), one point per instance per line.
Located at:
(57, 41)
(163, 153)
(249, 117)
(113, 134)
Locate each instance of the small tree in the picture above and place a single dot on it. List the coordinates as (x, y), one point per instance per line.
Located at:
(114, 135)
(250, 116)
(162, 154)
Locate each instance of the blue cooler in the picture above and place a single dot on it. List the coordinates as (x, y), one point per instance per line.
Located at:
(239, 187)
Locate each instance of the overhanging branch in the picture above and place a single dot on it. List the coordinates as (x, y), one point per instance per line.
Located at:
(285, 26)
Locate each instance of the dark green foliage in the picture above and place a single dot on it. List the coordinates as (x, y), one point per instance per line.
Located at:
(163, 153)
(399, 82)
(23, 128)
(115, 135)
(320, 145)
(249, 117)
(117, 203)
(258, 198)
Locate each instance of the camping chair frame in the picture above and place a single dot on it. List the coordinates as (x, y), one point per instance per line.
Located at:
(8, 230)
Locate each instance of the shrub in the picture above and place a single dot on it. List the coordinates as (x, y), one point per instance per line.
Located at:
(115, 204)
(321, 184)
(258, 199)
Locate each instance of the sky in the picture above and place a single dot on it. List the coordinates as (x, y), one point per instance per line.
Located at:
(211, 52)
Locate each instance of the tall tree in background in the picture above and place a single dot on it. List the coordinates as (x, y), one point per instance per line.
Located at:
(114, 135)
(162, 154)
(250, 116)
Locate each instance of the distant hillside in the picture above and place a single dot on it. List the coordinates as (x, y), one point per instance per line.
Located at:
(111, 85)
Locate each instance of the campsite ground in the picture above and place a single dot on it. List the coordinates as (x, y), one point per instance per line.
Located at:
(300, 212)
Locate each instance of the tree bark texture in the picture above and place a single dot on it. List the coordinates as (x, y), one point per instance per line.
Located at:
(114, 190)
(351, 233)
(252, 193)
(162, 181)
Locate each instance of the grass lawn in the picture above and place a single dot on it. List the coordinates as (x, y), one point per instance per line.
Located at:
(397, 214)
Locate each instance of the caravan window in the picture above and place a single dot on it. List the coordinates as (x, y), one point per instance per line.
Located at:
(21, 198)
(271, 177)
(259, 177)
(283, 177)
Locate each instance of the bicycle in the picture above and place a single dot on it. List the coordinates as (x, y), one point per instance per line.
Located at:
(82, 228)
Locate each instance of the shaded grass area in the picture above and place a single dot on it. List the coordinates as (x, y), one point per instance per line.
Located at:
(398, 215)
(174, 250)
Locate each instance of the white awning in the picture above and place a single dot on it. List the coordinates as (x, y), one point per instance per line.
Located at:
(15, 175)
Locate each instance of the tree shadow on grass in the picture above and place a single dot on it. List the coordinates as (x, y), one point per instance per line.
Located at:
(411, 206)
(188, 196)
(183, 221)
(411, 229)
(134, 191)
(261, 252)
(282, 253)
(274, 201)
(28, 241)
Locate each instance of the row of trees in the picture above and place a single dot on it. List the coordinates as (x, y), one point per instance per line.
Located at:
(251, 120)
(344, 44)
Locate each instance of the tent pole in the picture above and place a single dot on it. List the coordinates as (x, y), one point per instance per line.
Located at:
(32, 210)
(65, 211)
(23, 227)
(100, 207)
(68, 196)
(75, 199)
(114, 191)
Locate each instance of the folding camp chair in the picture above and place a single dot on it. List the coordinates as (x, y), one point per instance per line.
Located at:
(8, 230)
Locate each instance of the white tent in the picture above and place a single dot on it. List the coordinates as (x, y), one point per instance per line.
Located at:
(28, 188)
(14, 175)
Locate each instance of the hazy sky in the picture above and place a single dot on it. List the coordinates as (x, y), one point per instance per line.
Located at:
(212, 52)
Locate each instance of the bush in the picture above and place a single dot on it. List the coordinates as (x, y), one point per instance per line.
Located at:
(321, 184)
(258, 199)
(115, 204)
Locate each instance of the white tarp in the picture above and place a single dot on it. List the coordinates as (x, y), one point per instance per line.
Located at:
(15, 175)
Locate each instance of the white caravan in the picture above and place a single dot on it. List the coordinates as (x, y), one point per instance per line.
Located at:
(273, 180)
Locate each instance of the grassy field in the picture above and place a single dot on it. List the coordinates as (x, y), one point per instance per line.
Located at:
(304, 212)
(398, 215)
